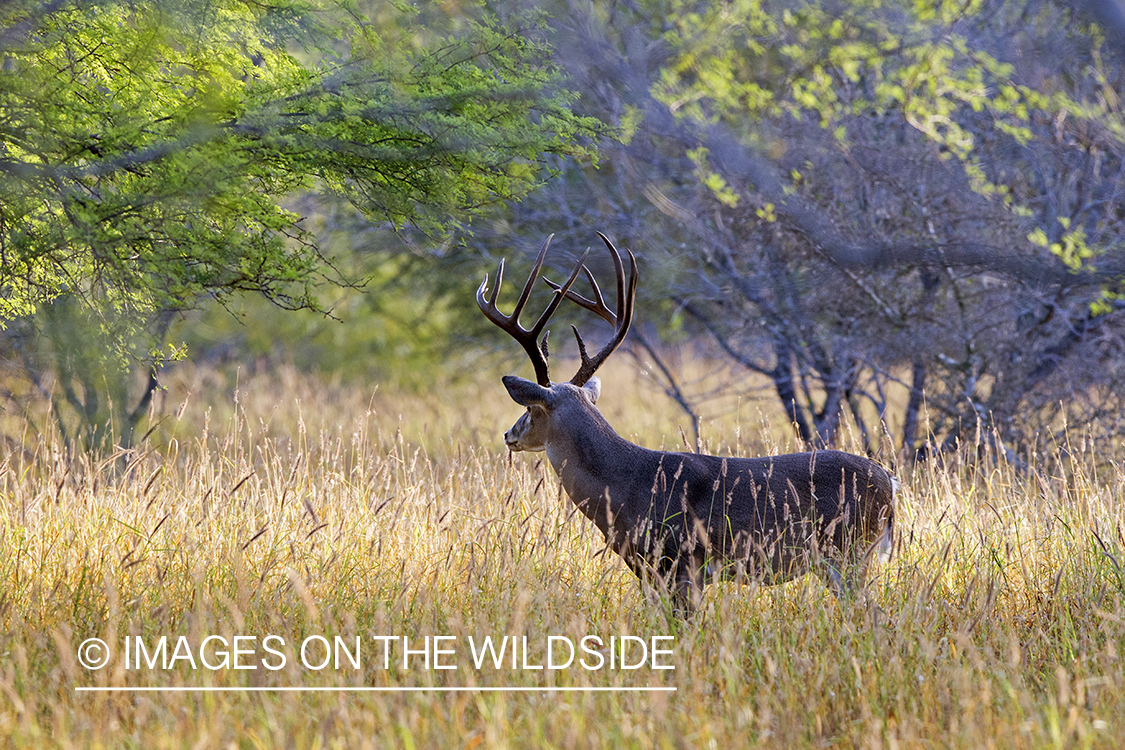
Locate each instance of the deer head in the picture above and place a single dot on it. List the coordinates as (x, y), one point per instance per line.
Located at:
(550, 405)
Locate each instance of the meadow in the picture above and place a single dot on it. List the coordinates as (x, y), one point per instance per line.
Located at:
(282, 505)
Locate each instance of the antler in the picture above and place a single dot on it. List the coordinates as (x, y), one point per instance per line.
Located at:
(511, 323)
(620, 321)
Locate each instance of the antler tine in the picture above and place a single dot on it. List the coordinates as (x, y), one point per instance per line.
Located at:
(488, 306)
(619, 274)
(620, 321)
(510, 324)
(597, 306)
(526, 293)
(560, 292)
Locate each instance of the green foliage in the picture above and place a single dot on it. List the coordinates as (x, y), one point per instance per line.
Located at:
(857, 70)
(712, 179)
(154, 155)
(744, 59)
(399, 332)
(146, 147)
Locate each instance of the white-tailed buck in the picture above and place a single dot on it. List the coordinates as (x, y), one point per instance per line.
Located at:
(679, 519)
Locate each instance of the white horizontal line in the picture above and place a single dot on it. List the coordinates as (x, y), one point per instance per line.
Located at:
(365, 689)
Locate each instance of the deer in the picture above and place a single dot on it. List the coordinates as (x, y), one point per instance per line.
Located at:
(681, 520)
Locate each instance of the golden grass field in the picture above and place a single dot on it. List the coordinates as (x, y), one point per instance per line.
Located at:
(296, 508)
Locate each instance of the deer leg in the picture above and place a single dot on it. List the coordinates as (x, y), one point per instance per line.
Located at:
(686, 596)
(655, 580)
(690, 572)
(847, 584)
(680, 580)
(666, 585)
(833, 575)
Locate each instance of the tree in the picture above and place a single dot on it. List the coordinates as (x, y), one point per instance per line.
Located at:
(148, 148)
(851, 196)
(916, 197)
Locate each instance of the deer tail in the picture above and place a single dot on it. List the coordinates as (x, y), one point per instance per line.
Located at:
(885, 544)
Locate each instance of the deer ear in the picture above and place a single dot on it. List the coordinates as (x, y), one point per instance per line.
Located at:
(593, 388)
(525, 392)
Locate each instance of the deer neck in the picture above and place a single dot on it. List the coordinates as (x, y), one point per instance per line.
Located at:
(592, 461)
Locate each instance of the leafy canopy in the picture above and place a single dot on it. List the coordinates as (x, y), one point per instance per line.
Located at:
(147, 147)
(950, 69)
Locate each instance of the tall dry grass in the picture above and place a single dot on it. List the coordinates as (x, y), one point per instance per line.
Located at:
(296, 508)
